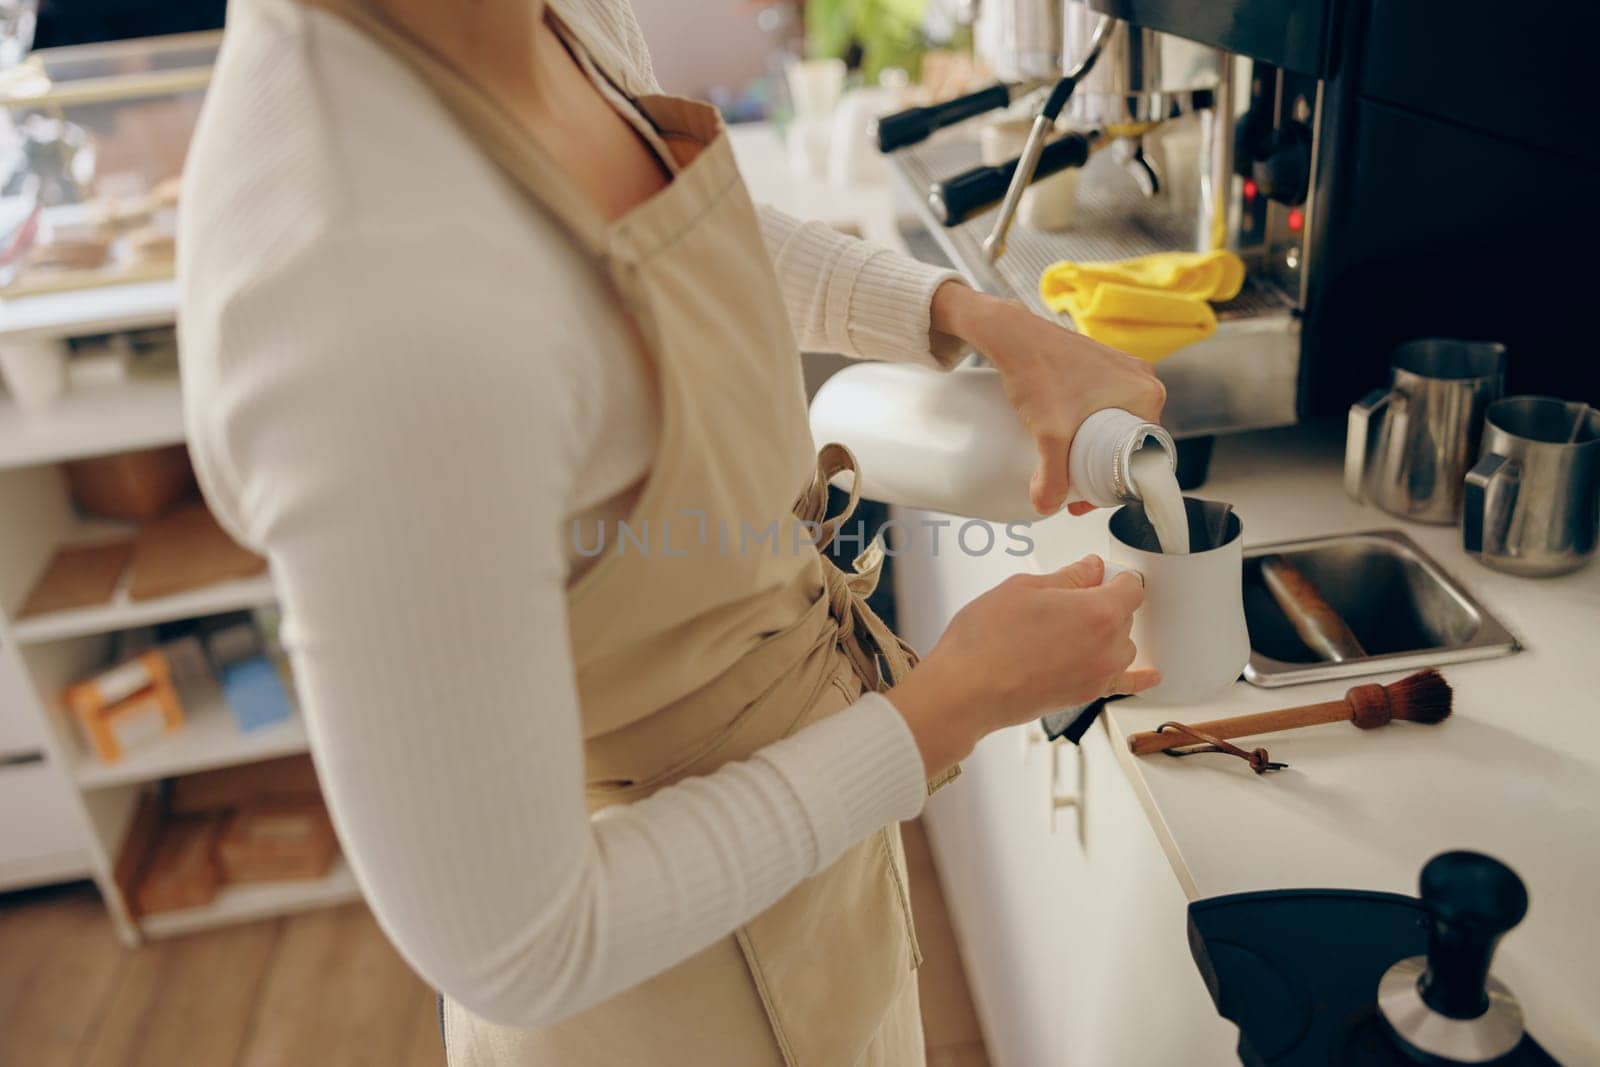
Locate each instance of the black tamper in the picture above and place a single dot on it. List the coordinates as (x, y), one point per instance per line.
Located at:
(1445, 1006)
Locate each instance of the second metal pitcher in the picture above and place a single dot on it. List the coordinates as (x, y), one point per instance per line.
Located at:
(1533, 500)
(1409, 446)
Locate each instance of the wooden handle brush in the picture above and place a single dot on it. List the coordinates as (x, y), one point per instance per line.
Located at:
(1422, 697)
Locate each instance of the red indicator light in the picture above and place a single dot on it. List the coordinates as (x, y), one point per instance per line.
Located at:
(1297, 219)
(1249, 189)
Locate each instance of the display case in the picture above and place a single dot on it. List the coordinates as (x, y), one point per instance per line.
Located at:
(92, 143)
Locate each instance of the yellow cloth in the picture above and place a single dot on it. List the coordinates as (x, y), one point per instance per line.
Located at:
(1149, 306)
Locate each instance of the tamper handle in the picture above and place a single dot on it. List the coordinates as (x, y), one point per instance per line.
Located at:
(1472, 901)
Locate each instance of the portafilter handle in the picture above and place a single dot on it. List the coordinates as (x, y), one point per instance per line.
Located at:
(1446, 1004)
(916, 124)
(958, 198)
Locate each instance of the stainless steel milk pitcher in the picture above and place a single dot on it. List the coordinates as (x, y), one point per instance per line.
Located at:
(1409, 446)
(1533, 501)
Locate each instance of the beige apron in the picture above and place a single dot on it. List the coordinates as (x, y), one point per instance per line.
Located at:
(713, 626)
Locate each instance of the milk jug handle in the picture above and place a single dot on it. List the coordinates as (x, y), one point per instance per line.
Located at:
(1358, 440)
(1073, 722)
(1491, 496)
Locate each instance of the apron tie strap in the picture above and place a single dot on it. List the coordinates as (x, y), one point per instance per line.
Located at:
(879, 656)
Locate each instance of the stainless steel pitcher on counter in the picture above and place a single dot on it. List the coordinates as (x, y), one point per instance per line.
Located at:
(1533, 501)
(1408, 447)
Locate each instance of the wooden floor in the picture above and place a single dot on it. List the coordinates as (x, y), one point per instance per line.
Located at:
(320, 988)
(949, 1021)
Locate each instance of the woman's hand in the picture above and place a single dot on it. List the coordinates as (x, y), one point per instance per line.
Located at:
(1053, 377)
(1032, 644)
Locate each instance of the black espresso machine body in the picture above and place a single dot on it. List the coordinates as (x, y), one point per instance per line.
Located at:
(1416, 168)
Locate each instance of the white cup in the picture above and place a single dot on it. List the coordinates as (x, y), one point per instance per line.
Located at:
(815, 86)
(853, 157)
(35, 371)
(1191, 625)
(810, 143)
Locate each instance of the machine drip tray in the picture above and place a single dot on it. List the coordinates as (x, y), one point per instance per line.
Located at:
(1406, 611)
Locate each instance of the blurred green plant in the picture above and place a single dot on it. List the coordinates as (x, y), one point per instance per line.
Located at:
(889, 33)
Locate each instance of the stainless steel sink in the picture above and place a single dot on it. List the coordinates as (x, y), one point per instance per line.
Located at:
(1401, 605)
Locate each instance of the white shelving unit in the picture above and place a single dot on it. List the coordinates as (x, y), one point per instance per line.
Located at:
(209, 739)
(94, 802)
(79, 312)
(91, 422)
(121, 613)
(258, 900)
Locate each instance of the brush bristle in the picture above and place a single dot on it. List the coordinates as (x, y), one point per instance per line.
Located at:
(1422, 697)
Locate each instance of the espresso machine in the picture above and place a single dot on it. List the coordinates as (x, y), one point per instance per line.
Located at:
(1386, 171)
(1146, 117)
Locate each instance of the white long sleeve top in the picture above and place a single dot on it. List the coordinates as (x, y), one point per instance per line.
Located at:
(400, 380)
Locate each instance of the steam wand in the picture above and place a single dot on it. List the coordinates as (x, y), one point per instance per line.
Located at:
(994, 245)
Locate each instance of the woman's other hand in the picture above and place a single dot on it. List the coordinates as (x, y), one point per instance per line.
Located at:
(1053, 377)
(1031, 645)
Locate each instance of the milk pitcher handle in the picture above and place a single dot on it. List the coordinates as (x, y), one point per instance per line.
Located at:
(1491, 496)
(1073, 722)
(1358, 440)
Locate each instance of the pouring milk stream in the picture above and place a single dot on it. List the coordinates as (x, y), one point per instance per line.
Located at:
(1156, 483)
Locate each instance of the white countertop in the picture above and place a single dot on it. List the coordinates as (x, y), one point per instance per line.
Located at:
(1515, 772)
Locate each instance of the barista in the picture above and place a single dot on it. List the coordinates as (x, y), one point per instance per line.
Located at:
(463, 297)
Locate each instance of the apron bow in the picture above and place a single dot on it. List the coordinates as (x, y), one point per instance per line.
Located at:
(877, 653)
